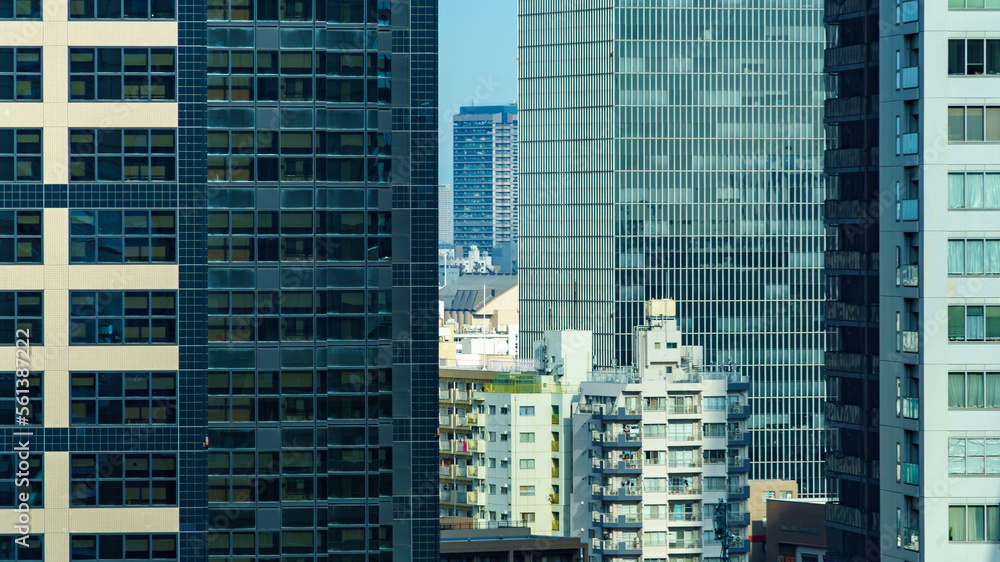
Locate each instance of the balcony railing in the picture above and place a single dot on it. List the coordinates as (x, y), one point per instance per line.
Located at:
(909, 210)
(911, 473)
(911, 143)
(736, 408)
(684, 489)
(911, 408)
(909, 342)
(735, 460)
(555, 419)
(554, 497)
(555, 525)
(910, 11)
(683, 517)
(555, 472)
(911, 539)
(685, 543)
(687, 409)
(555, 445)
(911, 77)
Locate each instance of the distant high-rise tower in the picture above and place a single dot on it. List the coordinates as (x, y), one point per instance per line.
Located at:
(446, 214)
(939, 262)
(485, 187)
(676, 152)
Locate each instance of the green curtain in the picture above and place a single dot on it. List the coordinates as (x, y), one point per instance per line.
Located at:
(975, 391)
(956, 523)
(956, 323)
(993, 390)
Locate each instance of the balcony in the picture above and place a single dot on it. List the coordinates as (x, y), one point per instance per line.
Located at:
(911, 537)
(910, 143)
(910, 11)
(911, 473)
(471, 419)
(685, 543)
(555, 445)
(474, 471)
(555, 525)
(554, 497)
(909, 342)
(680, 463)
(911, 408)
(685, 409)
(689, 489)
(555, 419)
(844, 56)
(909, 210)
(683, 517)
(907, 275)
(444, 420)
(910, 77)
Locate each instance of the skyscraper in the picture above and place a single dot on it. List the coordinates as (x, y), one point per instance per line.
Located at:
(225, 260)
(852, 214)
(940, 176)
(673, 152)
(485, 189)
(446, 214)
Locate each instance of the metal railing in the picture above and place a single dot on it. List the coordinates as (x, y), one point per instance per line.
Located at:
(908, 275)
(911, 408)
(911, 539)
(685, 409)
(685, 489)
(910, 342)
(911, 473)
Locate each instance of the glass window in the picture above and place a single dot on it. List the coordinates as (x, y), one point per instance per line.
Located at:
(34, 488)
(956, 124)
(33, 411)
(21, 9)
(113, 479)
(122, 155)
(123, 398)
(20, 73)
(20, 154)
(122, 9)
(9, 550)
(111, 74)
(111, 317)
(21, 310)
(114, 236)
(119, 548)
(956, 323)
(20, 237)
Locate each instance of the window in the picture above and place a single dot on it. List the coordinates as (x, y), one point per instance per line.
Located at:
(21, 9)
(973, 124)
(974, 456)
(122, 9)
(285, 10)
(272, 75)
(527, 490)
(122, 236)
(112, 317)
(246, 155)
(493, 410)
(113, 74)
(974, 523)
(974, 390)
(232, 10)
(715, 483)
(20, 73)
(973, 323)
(493, 463)
(117, 398)
(973, 57)
(655, 538)
(974, 190)
(715, 403)
(527, 463)
(713, 456)
(654, 484)
(503, 410)
(280, 316)
(680, 431)
(528, 517)
(8, 404)
(527, 410)
(116, 480)
(21, 310)
(20, 154)
(655, 430)
(231, 236)
(527, 438)
(122, 155)
(119, 548)
(9, 550)
(973, 4)
(973, 257)
(10, 494)
(715, 430)
(20, 237)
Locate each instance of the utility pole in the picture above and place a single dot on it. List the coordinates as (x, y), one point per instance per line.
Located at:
(722, 527)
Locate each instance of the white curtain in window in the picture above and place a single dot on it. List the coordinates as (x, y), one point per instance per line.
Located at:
(993, 390)
(956, 390)
(956, 257)
(974, 191)
(956, 456)
(974, 257)
(956, 191)
(975, 388)
(991, 255)
(956, 523)
(976, 522)
(992, 189)
(974, 327)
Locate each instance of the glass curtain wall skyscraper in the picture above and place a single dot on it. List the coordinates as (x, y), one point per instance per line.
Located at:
(218, 225)
(674, 152)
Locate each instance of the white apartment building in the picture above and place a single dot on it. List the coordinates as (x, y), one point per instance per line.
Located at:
(656, 448)
(940, 313)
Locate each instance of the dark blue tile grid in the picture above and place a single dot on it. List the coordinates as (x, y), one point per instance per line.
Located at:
(191, 250)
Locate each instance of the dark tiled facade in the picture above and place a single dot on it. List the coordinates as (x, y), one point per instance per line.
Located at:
(300, 418)
(851, 366)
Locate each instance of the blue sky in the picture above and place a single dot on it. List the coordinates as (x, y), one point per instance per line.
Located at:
(478, 46)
